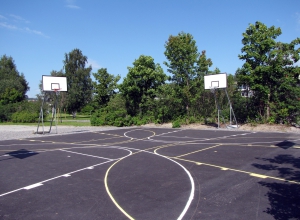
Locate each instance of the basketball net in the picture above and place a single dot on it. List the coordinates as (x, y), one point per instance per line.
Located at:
(212, 89)
(57, 91)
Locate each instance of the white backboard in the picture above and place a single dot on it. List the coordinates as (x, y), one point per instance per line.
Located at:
(217, 81)
(52, 83)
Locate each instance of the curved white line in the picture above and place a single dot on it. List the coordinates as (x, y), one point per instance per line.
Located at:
(125, 134)
(191, 197)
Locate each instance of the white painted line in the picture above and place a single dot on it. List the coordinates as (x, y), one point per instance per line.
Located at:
(131, 138)
(258, 175)
(191, 197)
(169, 132)
(67, 174)
(41, 183)
(85, 154)
(33, 186)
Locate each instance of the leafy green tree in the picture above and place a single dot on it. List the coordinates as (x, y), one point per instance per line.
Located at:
(188, 68)
(13, 85)
(105, 86)
(139, 86)
(78, 80)
(203, 100)
(182, 53)
(270, 73)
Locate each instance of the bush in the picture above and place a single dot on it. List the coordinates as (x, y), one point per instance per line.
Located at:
(6, 112)
(86, 110)
(20, 112)
(25, 117)
(106, 117)
(176, 124)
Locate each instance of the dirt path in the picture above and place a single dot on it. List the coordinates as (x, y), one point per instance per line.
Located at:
(246, 127)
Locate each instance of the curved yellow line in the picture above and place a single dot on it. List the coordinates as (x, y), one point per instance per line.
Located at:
(106, 185)
(110, 195)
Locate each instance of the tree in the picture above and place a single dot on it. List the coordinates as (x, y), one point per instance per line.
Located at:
(182, 53)
(139, 86)
(270, 73)
(13, 85)
(105, 87)
(188, 68)
(203, 101)
(78, 80)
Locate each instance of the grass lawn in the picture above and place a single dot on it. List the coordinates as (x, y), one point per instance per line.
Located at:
(63, 119)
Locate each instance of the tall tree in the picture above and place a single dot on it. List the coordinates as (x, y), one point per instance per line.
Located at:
(78, 79)
(270, 73)
(105, 86)
(140, 84)
(203, 101)
(13, 85)
(182, 53)
(187, 67)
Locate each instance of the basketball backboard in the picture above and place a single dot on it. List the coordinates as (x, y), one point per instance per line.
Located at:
(216, 81)
(54, 83)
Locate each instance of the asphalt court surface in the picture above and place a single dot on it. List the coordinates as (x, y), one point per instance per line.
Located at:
(151, 173)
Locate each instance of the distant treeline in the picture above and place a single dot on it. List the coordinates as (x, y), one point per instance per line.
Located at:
(269, 78)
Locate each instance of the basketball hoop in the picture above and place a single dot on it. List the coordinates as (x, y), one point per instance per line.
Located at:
(57, 91)
(212, 89)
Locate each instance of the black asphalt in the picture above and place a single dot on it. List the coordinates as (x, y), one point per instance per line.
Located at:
(151, 173)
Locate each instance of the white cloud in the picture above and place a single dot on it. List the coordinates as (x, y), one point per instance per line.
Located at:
(2, 17)
(73, 6)
(18, 18)
(94, 64)
(8, 26)
(35, 32)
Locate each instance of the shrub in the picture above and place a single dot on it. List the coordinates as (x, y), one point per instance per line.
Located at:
(176, 124)
(86, 110)
(25, 117)
(6, 112)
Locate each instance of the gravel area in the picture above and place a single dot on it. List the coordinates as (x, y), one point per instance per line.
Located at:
(10, 132)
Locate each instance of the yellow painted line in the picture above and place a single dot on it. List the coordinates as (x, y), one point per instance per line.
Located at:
(79, 142)
(110, 195)
(199, 150)
(116, 135)
(296, 147)
(240, 171)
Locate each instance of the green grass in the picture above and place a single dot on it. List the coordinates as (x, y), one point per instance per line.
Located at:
(70, 117)
(47, 123)
(67, 120)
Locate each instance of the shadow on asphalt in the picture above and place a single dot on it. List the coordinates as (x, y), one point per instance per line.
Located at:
(21, 154)
(285, 144)
(284, 198)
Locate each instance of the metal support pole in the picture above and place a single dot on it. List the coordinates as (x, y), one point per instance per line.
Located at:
(231, 109)
(218, 118)
(41, 116)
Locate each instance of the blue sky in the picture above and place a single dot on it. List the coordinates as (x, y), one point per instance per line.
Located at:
(113, 33)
